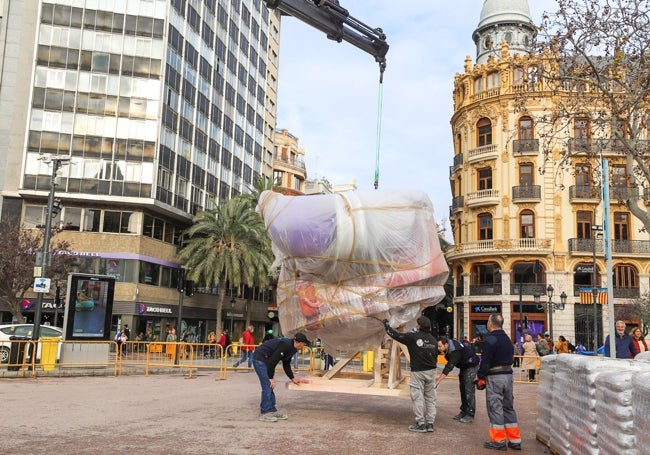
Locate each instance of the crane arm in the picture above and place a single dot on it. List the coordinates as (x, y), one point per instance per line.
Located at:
(335, 21)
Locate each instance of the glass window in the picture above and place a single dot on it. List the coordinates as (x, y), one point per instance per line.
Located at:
(621, 226)
(525, 128)
(527, 224)
(485, 226)
(111, 221)
(625, 276)
(525, 174)
(91, 220)
(584, 221)
(485, 179)
(34, 216)
(149, 273)
(484, 131)
(71, 218)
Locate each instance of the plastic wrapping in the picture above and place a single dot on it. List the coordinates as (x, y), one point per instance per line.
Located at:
(641, 403)
(592, 405)
(349, 260)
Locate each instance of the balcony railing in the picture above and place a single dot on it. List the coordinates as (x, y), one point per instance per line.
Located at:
(457, 203)
(641, 247)
(527, 192)
(626, 293)
(483, 197)
(584, 192)
(528, 288)
(458, 161)
(485, 289)
(502, 245)
(580, 145)
(297, 162)
(622, 193)
(525, 146)
(482, 153)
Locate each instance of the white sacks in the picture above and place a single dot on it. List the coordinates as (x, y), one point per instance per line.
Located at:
(349, 260)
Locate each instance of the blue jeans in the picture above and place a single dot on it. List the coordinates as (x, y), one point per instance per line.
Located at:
(244, 355)
(268, 395)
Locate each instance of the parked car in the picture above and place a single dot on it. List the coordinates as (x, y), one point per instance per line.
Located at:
(25, 330)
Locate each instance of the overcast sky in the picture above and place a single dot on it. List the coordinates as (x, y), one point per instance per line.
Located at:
(329, 92)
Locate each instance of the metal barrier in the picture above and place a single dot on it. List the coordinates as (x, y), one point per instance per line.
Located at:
(53, 359)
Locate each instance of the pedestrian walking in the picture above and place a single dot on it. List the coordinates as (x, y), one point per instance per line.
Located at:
(247, 347)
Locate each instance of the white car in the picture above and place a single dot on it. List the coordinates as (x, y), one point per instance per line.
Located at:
(24, 331)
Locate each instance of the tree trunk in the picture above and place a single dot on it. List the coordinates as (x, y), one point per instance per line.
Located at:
(220, 300)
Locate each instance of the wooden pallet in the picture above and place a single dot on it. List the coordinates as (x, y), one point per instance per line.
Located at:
(386, 378)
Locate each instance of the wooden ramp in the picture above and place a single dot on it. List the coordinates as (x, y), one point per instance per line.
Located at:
(385, 379)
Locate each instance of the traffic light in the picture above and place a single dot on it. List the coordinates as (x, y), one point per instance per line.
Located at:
(180, 284)
(189, 288)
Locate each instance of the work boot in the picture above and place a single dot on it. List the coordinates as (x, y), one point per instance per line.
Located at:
(514, 445)
(459, 416)
(496, 445)
(418, 428)
(429, 428)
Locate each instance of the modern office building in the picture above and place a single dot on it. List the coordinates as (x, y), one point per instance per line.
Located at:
(520, 222)
(163, 107)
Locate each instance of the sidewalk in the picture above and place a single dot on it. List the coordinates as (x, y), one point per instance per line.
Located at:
(169, 414)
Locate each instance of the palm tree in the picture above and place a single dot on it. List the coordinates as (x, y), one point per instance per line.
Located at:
(229, 246)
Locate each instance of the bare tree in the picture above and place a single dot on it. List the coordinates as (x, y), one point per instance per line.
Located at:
(637, 309)
(18, 247)
(594, 65)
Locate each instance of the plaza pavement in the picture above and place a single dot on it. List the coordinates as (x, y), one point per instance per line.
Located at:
(170, 414)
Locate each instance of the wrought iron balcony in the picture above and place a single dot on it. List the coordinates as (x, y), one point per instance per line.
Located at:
(622, 247)
(583, 145)
(457, 203)
(584, 192)
(525, 146)
(626, 293)
(485, 289)
(622, 193)
(527, 193)
(528, 288)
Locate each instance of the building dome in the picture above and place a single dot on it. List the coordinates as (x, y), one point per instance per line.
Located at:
(504, 11)
(503, 21)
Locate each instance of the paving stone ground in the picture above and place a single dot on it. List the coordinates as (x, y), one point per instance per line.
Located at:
(170, 414)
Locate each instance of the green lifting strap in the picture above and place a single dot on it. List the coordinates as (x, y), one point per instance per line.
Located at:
(381, 96)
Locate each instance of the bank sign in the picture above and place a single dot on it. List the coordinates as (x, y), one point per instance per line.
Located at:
(487, 308)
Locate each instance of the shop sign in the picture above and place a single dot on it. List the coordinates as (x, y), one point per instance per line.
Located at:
(143, 308)
(486, 308)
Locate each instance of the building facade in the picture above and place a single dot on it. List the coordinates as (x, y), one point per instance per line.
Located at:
(520, 221)
(163, 107)
(289, 170)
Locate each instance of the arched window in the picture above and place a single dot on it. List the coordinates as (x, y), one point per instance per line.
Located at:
(485, 226)
(583, 275)
(525, 128)
(484, 130)
(460, 280)
(485, 279)
(527, 224)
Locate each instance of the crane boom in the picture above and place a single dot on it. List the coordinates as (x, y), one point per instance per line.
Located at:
(335, 21)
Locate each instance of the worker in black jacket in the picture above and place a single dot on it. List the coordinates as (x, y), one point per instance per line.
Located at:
(265, 359)
(423, 351)
(496, 371)
(464, 357)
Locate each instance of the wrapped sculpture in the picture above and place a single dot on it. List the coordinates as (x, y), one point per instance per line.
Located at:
(349, 260)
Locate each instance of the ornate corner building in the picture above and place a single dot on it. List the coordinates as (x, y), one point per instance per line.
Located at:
(520, 222)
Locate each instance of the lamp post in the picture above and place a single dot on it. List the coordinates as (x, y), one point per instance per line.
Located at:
(596, 231)
(41, 266)
(551, 306)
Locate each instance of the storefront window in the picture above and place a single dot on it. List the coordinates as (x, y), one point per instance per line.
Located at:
(149, 273)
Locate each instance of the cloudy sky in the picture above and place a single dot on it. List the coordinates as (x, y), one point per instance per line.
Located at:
(329, 94)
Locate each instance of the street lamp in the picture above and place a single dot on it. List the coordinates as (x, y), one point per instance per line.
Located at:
(45, 256)
(597, 231)
(551, 306)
